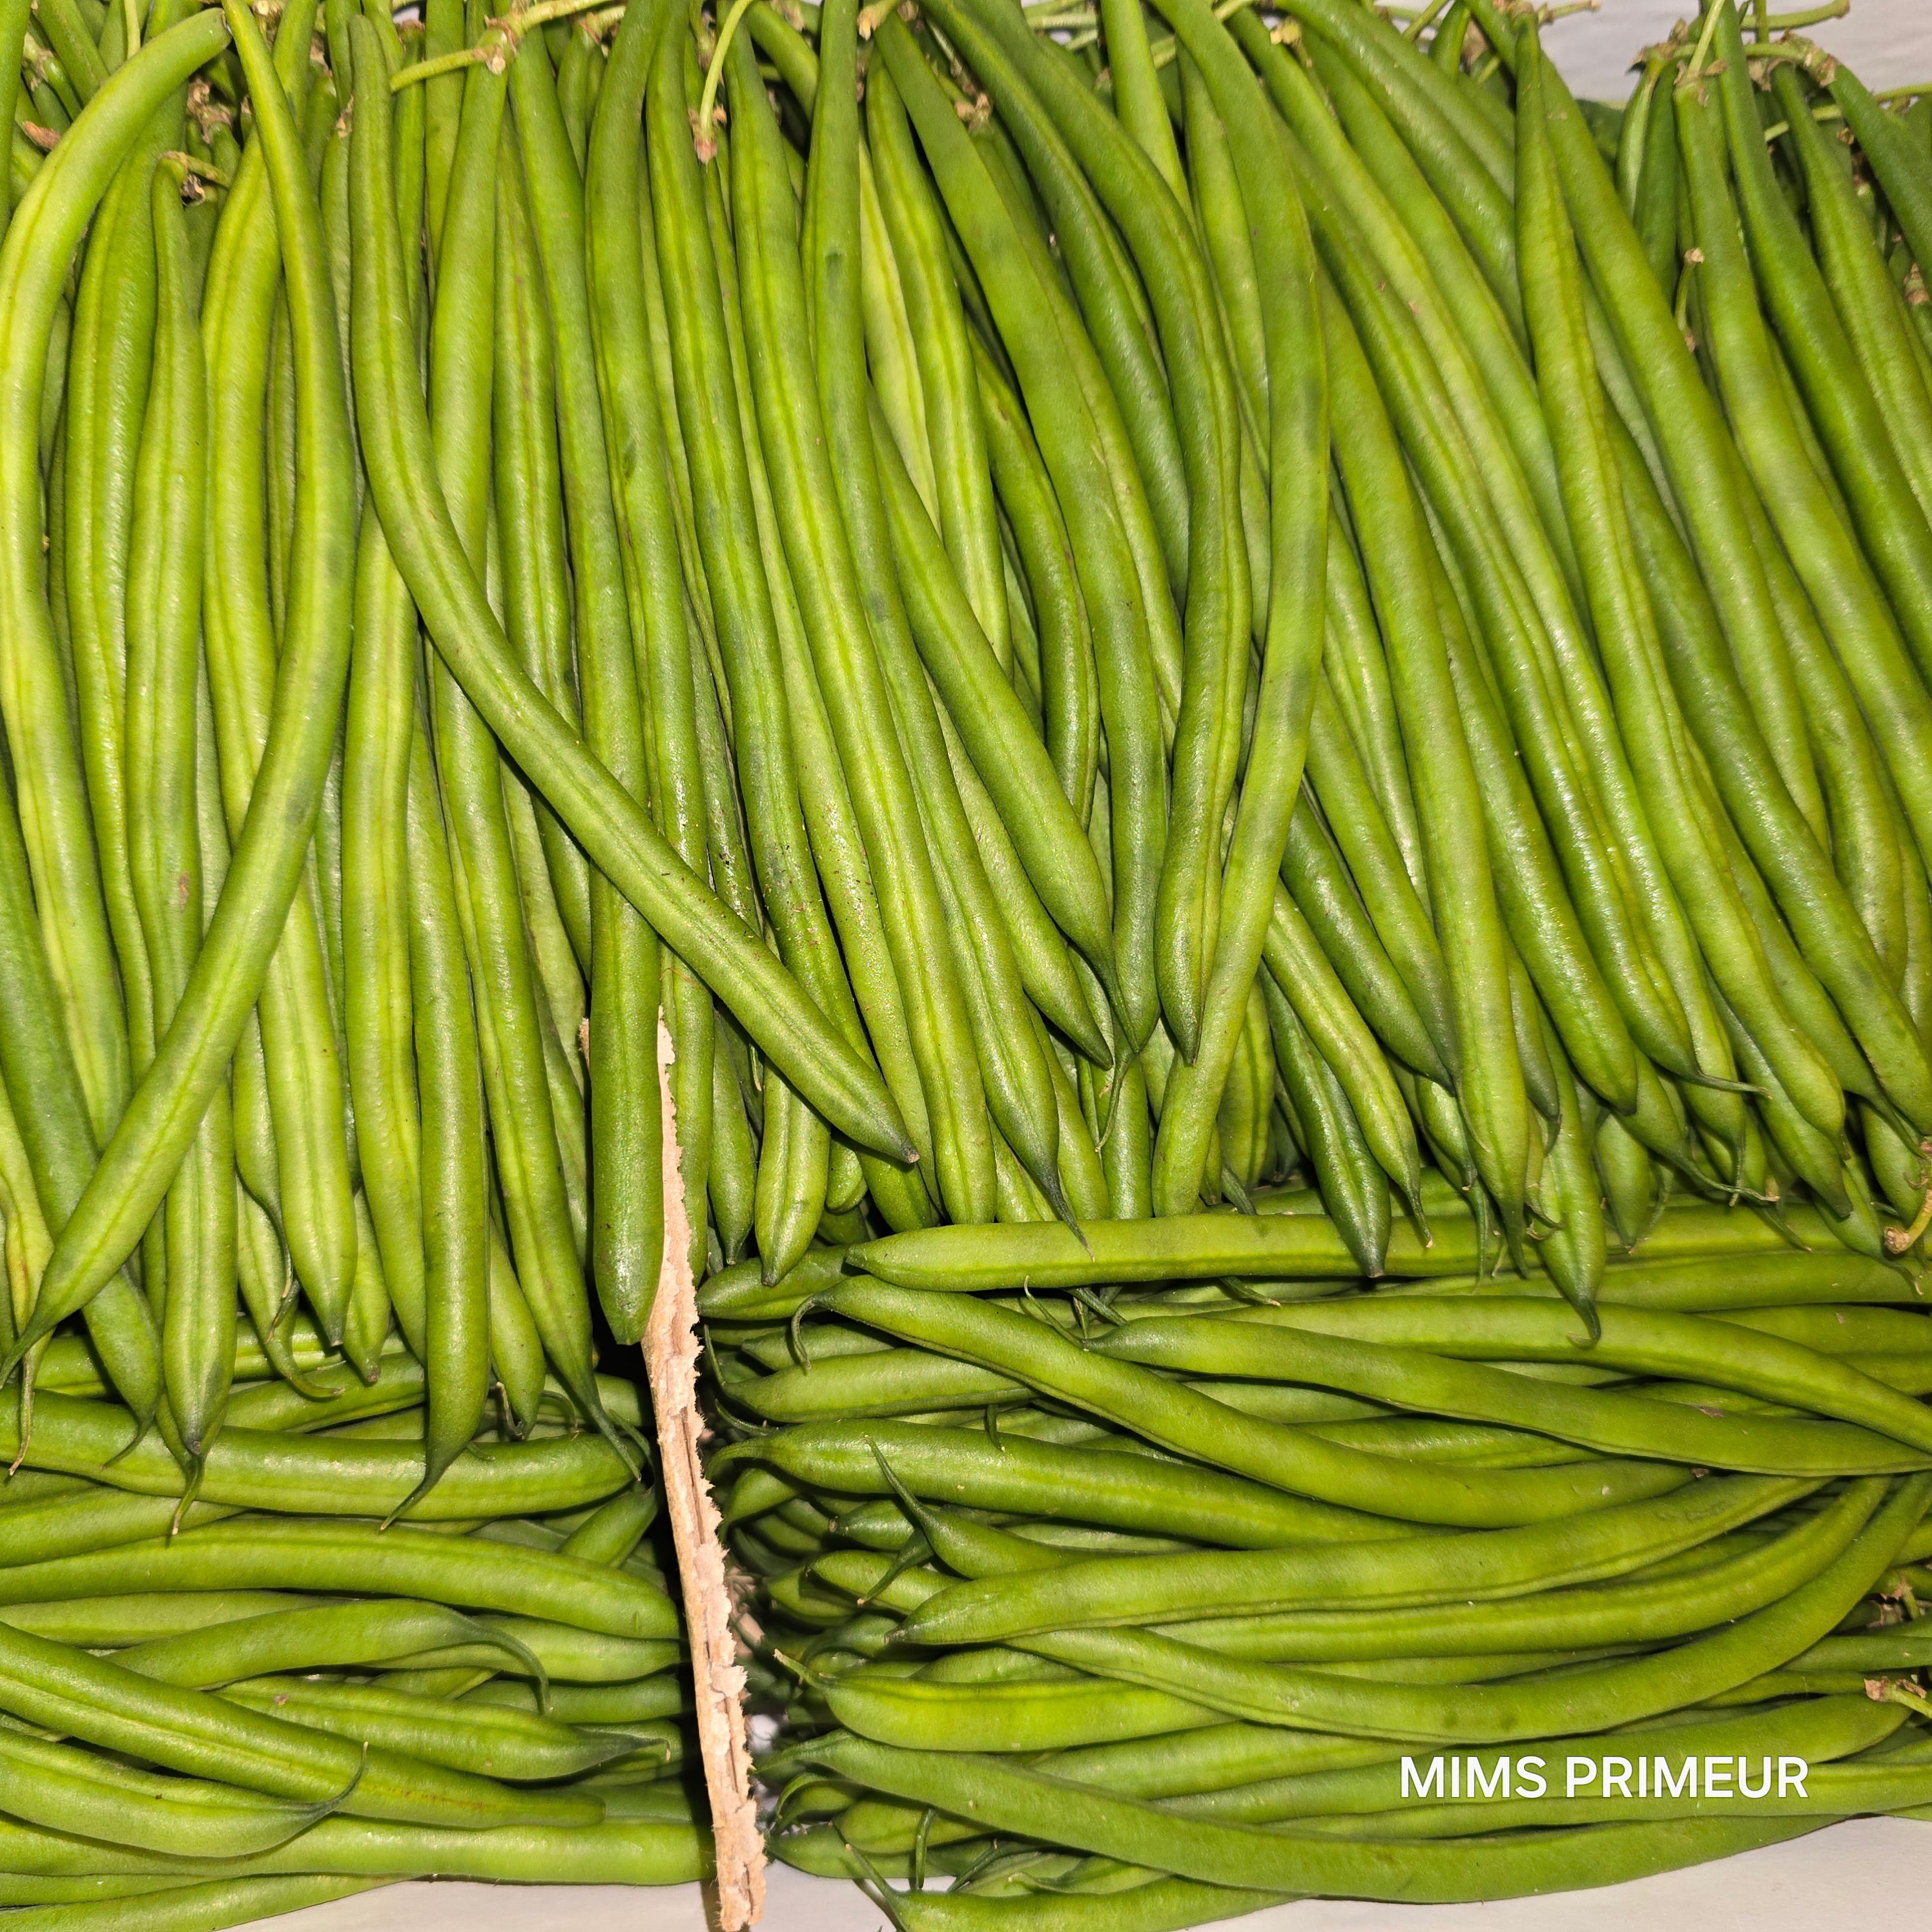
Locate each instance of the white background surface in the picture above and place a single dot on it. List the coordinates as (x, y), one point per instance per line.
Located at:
(1887, 43)
(1870, 1873)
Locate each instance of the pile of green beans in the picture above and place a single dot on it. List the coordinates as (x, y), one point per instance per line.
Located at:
(1219, 714)
(1455, 1291)
(327, 1555)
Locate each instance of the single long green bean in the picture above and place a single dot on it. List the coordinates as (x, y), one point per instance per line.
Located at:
(259, 1553)
(1371, 1576)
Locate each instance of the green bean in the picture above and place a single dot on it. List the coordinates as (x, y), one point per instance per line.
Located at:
(547, 1648)
(1018, 1088)
(1658, 937)
(379, 871)
(1626, 625)
(13, 45)
(732, 1176)
(72, 1891)
(63, 200)
(1296, 964)
(1373, 926)
(445, 31)
(1069, 677)
(1022, 1716)
(1850, 604)
(1839, 396)
(1611, 1424)
(57, 1785)
(1648, 184)
(1642, 1341)
(1354, 1190)
(898, 866)
(610, 1705)
(326, 1636)
(1576, 773)
(1182, 1420)
(163, 839)
(1826, 1728)
(1030, 1804)
(110, 359)
(963, 487)
(173, 1905)
(1373, 1577)
(1147, 471)
(898, 1381)
(268, 1555)
(1072, 997)
(1198, 1247)
(622, 1045)
(1489, 1085)
(844, 871)
(642, 494)
(60, 1525)
(622, 1851)
(1081, 1485)
(1008, 757)
(106, 1623)
(1576, 1250)
(1357, 682)
(528, 504)
(305, 1473)
(465, 1311)
(1543, 920)
(514, 1746)
(1889, 153)
(1299, 419)
(510, 1030)
(1206, 723)
(191, 1731)
(1218, 1757)
(1860, 284)
(743, 604)
(248, 596)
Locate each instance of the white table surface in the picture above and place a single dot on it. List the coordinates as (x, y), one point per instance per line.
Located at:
(1871, 1873)
(1887, 43)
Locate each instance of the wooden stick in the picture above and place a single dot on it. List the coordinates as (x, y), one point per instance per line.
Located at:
(670, 1355)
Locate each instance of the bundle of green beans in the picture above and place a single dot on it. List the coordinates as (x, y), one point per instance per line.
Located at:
(1160, 664)
(305, 1178)
(1545, 929)
(1142, 1583)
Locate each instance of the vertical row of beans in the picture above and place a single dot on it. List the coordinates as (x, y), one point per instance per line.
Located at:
(1377, 608)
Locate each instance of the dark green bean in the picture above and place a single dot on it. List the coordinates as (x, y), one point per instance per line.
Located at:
(1370, 1576)
(191, 1731)
(1082, 1485)
(1610, 1422)
(317, 1475)
(266, 1554)
(1030, 1804)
